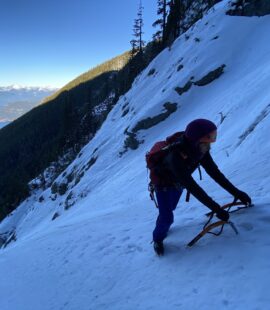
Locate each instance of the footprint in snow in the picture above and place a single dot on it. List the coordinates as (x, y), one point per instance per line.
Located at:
(246, 226)
(81, 254)
(131, 248)
(265, 219)
(125, 239)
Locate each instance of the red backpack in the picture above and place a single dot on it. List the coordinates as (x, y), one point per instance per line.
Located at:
(156, 154)
(154, 160)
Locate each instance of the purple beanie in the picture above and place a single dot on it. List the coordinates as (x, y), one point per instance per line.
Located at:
(198, 129)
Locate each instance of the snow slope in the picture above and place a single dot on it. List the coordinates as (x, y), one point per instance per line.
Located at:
(97, 254)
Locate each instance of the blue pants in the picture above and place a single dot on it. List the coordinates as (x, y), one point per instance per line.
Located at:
(167, 200)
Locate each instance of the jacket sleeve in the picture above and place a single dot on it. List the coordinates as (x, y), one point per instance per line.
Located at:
(179, 170)
(213, 171)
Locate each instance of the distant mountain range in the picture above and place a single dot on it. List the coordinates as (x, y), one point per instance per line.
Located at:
(16, 100)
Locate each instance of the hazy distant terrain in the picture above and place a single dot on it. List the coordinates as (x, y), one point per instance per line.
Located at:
(16, 100)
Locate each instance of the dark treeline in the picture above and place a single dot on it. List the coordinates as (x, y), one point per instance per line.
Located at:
(64, 122)
(174, 17)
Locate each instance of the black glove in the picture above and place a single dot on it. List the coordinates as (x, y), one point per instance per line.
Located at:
(223, 214)
(243, 197)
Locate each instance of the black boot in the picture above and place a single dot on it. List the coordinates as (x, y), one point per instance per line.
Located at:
(159, 248)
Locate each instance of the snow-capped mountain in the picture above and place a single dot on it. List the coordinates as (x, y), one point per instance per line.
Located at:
(85, 242)
(15, 100)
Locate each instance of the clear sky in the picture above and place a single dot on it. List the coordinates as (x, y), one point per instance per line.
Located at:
(50, 42)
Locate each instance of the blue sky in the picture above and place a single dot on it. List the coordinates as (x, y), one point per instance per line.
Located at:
(53, 41)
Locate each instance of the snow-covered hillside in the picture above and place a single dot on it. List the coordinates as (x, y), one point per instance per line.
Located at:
(96, 253)
(16, 100)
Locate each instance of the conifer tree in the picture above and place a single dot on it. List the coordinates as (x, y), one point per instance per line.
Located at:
(137, 43)
(162, 12)
(176, 14)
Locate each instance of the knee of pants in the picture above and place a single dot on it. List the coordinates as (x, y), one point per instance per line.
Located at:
(166, 219)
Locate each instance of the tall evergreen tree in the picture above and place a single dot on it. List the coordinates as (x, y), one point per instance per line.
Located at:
(175, 16)
(137, 43)
(162, 12)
